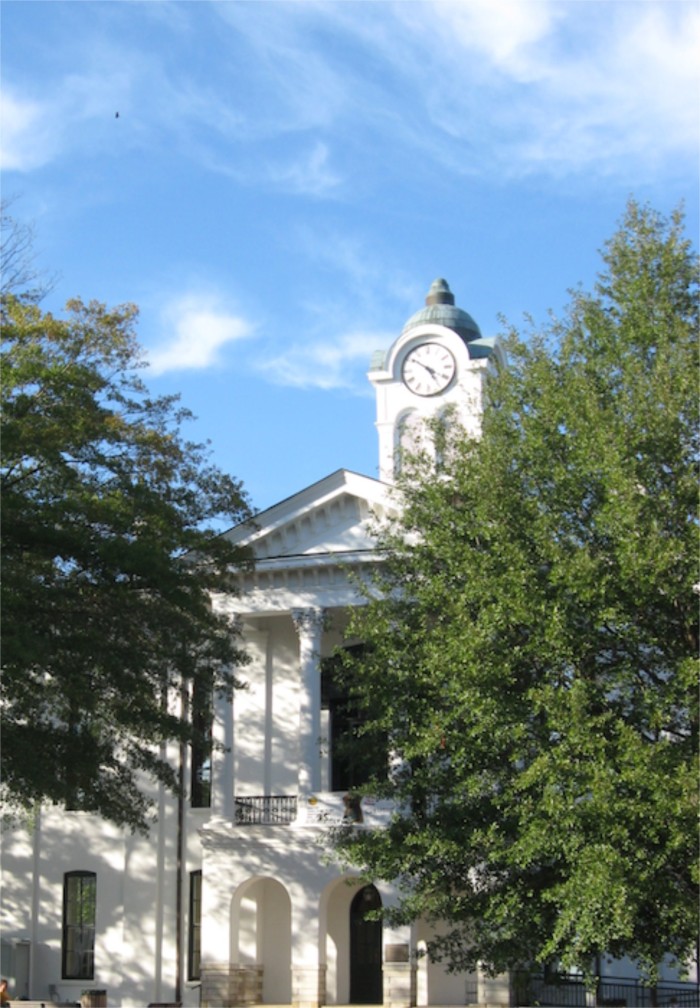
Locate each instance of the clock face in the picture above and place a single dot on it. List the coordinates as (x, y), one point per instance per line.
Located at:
(428, 369)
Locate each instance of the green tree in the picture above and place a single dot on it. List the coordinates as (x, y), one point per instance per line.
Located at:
(532, 639)
(110, 558)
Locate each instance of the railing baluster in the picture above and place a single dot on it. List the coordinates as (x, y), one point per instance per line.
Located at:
(568, 991)
(265, 810)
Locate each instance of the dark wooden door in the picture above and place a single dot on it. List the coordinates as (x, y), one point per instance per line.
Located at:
(365, 949)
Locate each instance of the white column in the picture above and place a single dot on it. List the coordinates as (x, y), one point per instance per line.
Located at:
(217, 886)
(399, 966)
(309, 626)
(308, 971)
(398, 955)
(222, 758)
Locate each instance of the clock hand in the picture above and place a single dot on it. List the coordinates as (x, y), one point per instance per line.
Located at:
(427, 367)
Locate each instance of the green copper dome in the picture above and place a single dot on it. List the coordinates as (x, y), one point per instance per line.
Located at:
(440, 309)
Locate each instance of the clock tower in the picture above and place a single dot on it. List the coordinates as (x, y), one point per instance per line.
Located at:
(440, 360)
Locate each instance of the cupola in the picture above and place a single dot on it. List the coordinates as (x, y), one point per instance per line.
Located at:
(440, 309)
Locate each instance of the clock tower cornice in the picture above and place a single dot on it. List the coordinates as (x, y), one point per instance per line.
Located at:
(389, 368)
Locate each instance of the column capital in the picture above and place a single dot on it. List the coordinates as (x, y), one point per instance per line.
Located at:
(308, 619)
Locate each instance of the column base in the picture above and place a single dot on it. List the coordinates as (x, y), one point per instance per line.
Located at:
(246, 985)
(399, 984)
(216, 985)
(227, 986)
(308, 986)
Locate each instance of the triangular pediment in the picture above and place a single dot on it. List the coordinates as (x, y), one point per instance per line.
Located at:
(328, 518)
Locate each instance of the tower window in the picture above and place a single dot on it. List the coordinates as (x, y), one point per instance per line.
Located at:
(407, 438)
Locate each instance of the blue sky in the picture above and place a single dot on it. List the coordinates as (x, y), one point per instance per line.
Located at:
(285, 180)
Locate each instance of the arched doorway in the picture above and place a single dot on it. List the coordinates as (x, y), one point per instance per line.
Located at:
(261, 942)
(365, 948)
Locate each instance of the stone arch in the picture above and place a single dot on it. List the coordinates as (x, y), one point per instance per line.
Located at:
(334, 933)
(408, 433)
(261, 942)
(366, 947)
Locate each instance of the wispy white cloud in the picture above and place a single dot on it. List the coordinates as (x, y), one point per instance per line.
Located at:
(198, 327)
(295, 81)
(350, 279)
(340, 361)
(557, 87)
(529, 86)
(28, 141)
(260, 135)
(47, 120)
(295, 95)
(310, 174)
(510, 34)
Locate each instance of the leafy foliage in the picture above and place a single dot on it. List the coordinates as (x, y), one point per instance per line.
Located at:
(109, 559)
(532, 639)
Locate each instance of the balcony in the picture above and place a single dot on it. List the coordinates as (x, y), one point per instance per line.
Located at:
(323, 810)
(265, 810)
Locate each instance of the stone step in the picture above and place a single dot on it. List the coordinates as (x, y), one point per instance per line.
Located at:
(46, 1003)
(41, 1003)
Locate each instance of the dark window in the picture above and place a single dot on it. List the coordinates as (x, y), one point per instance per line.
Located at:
(200, 785)
(357, 756)
(195, 922)
(365, 948)
(79, 892)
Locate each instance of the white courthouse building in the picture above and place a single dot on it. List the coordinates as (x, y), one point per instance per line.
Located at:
(232, 898)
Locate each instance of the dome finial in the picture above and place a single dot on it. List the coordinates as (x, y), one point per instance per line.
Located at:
(440, 309)
(440, 293)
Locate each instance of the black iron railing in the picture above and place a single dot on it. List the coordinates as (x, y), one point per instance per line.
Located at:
(265, 810)
(568, 991)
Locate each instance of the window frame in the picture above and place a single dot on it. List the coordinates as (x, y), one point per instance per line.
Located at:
(194, 923)
(201, 749)
(83, 906)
